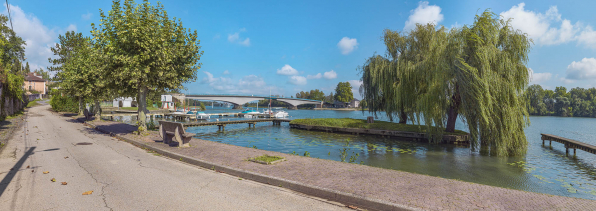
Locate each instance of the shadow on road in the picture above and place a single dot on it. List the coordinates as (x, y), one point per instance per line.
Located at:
(8, 178)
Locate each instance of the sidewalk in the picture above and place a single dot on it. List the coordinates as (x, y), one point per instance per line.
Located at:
(369, 187)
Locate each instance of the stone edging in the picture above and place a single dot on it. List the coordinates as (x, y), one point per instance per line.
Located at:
(332, 195)
(447, 139)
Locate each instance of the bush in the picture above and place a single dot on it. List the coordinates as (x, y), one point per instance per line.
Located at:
(64, 104)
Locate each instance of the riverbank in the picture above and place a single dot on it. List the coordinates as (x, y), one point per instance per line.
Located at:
(380, 128)
(363, 182)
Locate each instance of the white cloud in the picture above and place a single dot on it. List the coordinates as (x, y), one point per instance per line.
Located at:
(347, 45)
(587, 37)
(235, 38)
(537, 78)
(567, 81)
(246, 42)
(423, 14)
(542, 27)
(226, 72)
(217, 36)
(297, 80)
(37, 36)
(71, 27)
(317, 76)
(287, 70)
(87, 16)
(584, 69)
(250, 84)
(330, 75)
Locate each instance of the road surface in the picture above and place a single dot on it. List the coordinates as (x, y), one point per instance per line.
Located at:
(121, 176)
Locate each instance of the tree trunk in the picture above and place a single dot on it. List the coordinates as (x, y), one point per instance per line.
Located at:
(453, 112)
(97, 110)
(81, 108)
(142, 104)
(403, 117)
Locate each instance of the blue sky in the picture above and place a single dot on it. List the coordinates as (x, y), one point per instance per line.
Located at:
(288, 46)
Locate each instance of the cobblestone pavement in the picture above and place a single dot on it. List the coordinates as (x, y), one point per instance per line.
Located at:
(409, 189)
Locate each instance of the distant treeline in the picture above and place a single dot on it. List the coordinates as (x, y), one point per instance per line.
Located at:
(578, 102)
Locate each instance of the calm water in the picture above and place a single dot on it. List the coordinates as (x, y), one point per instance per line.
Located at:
(542, 169)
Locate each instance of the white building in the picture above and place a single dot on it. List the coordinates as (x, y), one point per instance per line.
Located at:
(167, 102)
(355, 103)
(122, 102)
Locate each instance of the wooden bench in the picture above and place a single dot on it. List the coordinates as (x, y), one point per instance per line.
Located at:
(174, 131)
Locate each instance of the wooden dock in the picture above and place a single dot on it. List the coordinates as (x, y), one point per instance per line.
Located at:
(222, 124)
(569, 143)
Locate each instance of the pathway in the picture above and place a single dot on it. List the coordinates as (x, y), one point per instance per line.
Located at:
(121, 176)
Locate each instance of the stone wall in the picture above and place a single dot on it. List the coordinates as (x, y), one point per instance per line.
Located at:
(11, 105)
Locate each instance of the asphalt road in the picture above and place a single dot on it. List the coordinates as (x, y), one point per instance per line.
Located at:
(121, 176)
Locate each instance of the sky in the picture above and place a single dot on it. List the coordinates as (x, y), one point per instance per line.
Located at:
(284, 47)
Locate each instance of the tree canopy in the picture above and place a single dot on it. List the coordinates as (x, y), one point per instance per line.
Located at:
(146, 50)
(477, 73)
(343, 92)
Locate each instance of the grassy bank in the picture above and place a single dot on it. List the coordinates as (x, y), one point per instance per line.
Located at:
(33, 103)
(360, 123)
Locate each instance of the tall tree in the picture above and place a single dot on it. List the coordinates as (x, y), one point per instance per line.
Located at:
(147, 50)
(13, 47)
(67, 47)
(343, 92)
(487, 74)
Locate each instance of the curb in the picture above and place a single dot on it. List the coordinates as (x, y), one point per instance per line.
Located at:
(332, 195)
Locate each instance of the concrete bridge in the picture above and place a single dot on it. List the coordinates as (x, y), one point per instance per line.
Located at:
(239, 100)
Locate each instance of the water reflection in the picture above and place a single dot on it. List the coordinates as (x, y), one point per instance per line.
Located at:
(542, 169)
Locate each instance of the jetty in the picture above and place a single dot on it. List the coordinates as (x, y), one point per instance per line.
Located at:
(222, 124)
(569, 144)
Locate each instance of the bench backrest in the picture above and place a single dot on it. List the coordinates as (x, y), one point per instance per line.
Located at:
(171, 126)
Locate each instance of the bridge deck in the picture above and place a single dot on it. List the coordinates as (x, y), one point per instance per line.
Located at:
(569, 143)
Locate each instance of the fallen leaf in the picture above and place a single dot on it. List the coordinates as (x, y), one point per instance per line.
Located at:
(45, 172)
(53, 180)
(64, 183)
(32, 170)
(27, 166)
(352, 207)
(88, 192)
(65, 157)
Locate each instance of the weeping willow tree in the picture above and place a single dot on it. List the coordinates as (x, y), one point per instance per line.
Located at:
(476, 73)
(382, 87)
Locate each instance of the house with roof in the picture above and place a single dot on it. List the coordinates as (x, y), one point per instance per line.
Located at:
(34, 84)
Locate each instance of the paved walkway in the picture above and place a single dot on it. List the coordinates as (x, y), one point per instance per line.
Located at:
(121, 176)
(403, 188)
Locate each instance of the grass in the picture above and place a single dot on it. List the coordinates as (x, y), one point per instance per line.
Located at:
(360, 123)
(15, 115)
(33, 103)
(268, 159)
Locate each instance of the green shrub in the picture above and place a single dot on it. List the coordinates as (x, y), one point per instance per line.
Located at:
(64, 104)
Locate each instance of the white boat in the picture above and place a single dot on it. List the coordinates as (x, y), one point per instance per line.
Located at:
(280, 114)
(203, 115)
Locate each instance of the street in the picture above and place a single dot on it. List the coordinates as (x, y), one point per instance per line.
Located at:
(120, 176)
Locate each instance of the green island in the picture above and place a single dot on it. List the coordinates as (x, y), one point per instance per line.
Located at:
(360, 123)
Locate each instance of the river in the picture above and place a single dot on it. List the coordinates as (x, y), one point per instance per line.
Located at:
(542, 169)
